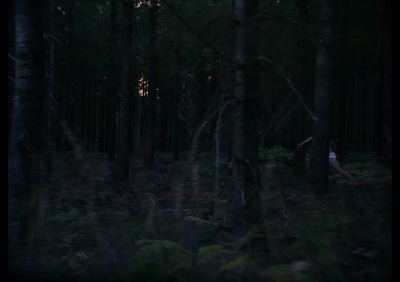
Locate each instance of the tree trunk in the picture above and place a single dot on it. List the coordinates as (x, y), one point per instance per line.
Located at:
(11, 63)
(385, 81)
(148, 159)
(245, 166)
(50, 82)
(238, 163)
(251, 110)
(323, 100)
(26, 146)
(124, 140)
(111, 87)
(177, 94)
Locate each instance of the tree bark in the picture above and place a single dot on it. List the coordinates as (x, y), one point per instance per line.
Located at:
(124, 140)
(252, 103)
(148, 159)
(245, 166)
(111, 87)
(27, 144)
(385, 81)
(238, 163)
(176, 96)
(323, 100)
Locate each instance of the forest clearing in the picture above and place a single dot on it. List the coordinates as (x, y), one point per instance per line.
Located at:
(200, 140)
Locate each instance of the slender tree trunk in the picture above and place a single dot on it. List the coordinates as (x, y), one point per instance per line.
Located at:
(148, 159)
(111, 87)
(251, 110)
(385, 124)
(124, 141)
(306, 56)
(239, 163)
(174, 101)
(176, 137)
(323, 100)
(246, 197)
(50, 82)
(135, 76)
(26, 147)
(11, 63)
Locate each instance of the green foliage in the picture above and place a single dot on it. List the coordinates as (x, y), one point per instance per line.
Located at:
(318, 236)
(163, 260)
(367, 168)
(353, 157)
(276, 153)
(372, 274)
(70, 217)
(208, 253)
(316, 243)
(279, 272)
(163, 155)
(242, 267)
(77, 260)
(87, 243)
(159, 260)
(204, 203)
(73, 218)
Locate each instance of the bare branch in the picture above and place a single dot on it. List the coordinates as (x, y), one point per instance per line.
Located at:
(199, 37)
(203, 126)
(291, 86)
(55, 39)
(217, 146)
(15, 60)
(306, 28)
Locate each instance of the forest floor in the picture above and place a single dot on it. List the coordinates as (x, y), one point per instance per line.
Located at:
(167, 225)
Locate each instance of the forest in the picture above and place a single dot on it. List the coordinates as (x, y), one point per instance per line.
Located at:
(169, 140)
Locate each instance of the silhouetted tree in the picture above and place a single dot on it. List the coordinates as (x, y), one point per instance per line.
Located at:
(27, 141)
(125, 99)
(245, 166)
(148, 159)
(323, 98)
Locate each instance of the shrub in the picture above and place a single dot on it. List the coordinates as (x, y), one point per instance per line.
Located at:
(277, 153)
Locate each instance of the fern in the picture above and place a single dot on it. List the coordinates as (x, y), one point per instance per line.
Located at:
(276, 153)
(238, 265)
(159, 260)
(65, 218)
(282, 271)
(158, 244)
(316, 243)
(207, 253)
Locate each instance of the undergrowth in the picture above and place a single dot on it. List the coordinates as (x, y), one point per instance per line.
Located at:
(89, 232)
